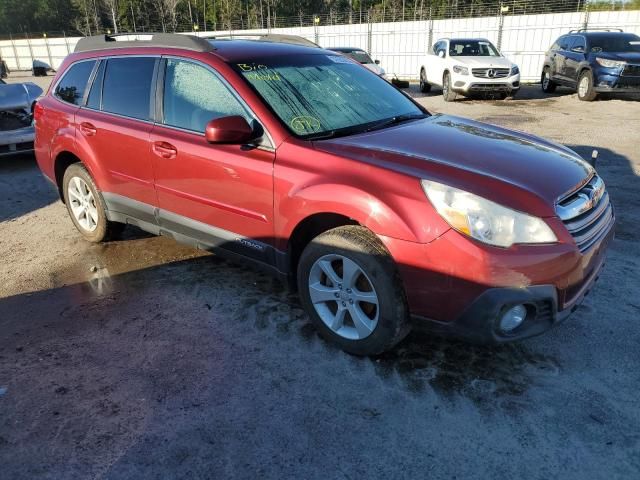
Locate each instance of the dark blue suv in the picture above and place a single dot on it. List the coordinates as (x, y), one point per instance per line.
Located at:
(593, 62)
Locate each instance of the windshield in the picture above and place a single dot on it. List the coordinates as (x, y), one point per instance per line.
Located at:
(615, 43)
(320, 96)
(359, 56)
(472, 48)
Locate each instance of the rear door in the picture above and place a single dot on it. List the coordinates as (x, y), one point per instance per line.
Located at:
(219, 194)
(115, 125)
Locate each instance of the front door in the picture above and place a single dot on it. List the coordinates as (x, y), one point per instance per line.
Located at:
(574, 57)
(222, 195)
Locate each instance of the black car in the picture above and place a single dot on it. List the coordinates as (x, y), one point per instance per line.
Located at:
(593, 62)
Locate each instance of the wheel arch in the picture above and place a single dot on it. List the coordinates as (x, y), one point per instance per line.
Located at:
(307, 229)
(63, 160)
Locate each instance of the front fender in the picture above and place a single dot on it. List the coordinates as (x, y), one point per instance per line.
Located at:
(404, 220)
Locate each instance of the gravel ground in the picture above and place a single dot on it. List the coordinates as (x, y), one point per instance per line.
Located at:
(143, 359)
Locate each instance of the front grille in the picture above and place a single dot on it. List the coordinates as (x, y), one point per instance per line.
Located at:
(587, 213)
(490, 87)
(16, 147)
(628, 82)
(490, 72)
(631, 71)
(544, 312)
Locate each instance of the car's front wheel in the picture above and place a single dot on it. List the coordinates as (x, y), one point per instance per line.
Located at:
(86, 206)
(586, 92)
(425, 86)
(448, 94)
(350, 287)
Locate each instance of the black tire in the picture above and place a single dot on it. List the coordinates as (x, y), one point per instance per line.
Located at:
(589, 94)
(548, 85)
(104, 230)
(425, 86)
(448, 94)
(361, 246)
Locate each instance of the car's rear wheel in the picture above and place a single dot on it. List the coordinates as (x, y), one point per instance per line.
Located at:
(448, 94)
(86, 206)
(548, 85)
(425, 86)
(586, 92)
(351, 289)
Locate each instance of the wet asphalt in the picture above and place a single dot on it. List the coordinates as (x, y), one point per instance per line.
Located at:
(141, 358)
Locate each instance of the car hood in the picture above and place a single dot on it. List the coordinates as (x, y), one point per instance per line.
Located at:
(485, 62)
(456, 151)
(377, 69)
(631, 57)
(18, 96)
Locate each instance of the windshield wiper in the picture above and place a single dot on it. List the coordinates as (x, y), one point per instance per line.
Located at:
(395, 120)
(342, 132)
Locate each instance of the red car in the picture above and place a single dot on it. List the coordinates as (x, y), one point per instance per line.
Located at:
(307, 163)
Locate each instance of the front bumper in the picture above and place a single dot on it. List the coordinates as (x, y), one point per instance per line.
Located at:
(13, 142)
(616, 80)
(469, 84)
(459, 288)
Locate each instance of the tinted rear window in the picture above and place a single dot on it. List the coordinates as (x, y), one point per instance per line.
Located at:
(72, 87)
(127, 86)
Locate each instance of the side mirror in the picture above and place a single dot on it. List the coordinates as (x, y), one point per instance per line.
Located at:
(232, 129)
(441, 53)
(578, 50)
(377, 62)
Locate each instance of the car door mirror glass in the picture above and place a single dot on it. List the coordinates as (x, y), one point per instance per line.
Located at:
(578, 49)
(232, 129)
(441, 53)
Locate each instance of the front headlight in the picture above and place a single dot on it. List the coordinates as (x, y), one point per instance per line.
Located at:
(485, 220)
(514, 70)
(605, 62)
(461, 70)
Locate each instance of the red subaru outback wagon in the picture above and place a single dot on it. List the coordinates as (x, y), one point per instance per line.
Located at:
(307, 163)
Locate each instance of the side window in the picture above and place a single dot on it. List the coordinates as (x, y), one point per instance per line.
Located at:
(579, 45)
(564, 43)
(126, 89)
(95, 94)
(194, 95)
(72, 87)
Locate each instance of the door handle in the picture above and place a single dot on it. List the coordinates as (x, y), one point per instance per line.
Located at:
(87, 129)
(164, 150)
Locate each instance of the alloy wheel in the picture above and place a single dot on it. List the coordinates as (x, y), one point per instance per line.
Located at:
(82, 204)
(343, 296)
(583, 88)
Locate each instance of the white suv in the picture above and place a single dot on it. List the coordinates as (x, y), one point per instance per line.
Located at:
(466, 66)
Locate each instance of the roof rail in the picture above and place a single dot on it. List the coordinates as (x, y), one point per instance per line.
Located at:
(597, 29)
(267, 37)
(128, 40)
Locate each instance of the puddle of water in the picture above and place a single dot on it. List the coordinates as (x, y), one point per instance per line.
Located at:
(450, 367)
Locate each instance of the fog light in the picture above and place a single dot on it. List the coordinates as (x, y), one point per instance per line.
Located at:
(513, 318)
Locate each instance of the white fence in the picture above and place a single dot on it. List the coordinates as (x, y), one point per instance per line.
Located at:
(399, 45)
